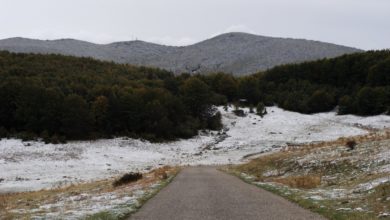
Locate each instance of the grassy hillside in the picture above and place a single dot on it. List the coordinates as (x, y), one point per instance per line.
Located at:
(342, 179)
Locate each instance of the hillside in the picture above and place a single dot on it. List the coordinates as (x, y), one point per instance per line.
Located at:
(237, 53)
(57, 97)
(34, 165)
(344, 179)
(45, 99)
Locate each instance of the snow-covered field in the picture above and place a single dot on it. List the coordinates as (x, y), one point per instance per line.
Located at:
(28, 166)
(331, 176)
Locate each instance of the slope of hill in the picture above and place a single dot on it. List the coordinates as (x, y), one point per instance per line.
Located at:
(237, 53)
(84, 165)
(240, 139)
(331, 178)
(57, 97)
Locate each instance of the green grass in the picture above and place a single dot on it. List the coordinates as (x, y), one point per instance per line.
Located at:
(102, 216)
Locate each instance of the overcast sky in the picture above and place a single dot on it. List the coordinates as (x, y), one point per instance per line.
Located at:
(359, 23)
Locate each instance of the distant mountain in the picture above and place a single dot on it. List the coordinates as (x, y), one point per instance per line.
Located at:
(237, 53)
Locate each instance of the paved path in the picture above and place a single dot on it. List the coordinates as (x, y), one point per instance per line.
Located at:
(202, 193)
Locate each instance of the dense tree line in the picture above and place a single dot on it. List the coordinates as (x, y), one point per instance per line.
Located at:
(59, 97)
(56, 97)
(356, 83)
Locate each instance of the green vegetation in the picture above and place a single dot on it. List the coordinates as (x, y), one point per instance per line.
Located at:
(261, 110)
(127, 178)
(59, 97)
(359, 83)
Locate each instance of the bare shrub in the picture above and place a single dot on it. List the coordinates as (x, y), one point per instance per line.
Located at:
(261, 110)
(161, 173)
(239, 113)
(351, 144)
(127, 178)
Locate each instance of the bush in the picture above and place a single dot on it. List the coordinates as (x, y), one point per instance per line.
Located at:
(127, 178)
(27, 136)
(346, 105)
(3, 132)
(161, 173)
(251, 109)
(46, 137)
(54, 139)
(189, 128)
(261, 110)
(239, 112)
(225, 107)
(320, 101)
(269, 100)
(351, 144)
(214, 122)
(218, 99)
(371, 101)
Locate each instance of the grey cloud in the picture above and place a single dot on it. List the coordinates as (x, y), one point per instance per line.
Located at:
(358, 23)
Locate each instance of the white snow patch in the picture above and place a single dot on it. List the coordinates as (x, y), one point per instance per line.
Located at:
(376, 122)
(372, 184)
(331, 194)
(26, 166)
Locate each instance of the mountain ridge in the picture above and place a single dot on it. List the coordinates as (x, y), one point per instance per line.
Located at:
(236, 52)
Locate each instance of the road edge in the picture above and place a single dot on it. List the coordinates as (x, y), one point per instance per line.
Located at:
(274, 191)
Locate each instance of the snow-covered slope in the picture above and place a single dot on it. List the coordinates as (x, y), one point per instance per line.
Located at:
(34, 165)
(237, 53)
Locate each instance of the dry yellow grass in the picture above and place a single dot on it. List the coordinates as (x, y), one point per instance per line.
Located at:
(304, 182)
(275, 161)
(31, 200)
(379, 198)
(372, 136)
(162, 173)
(318, 168)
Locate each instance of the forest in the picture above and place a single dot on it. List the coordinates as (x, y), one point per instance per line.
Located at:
(59, 98)
(356, 84)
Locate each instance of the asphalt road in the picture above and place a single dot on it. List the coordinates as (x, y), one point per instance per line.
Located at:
(202, 193)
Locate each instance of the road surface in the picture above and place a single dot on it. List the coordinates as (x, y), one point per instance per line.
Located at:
(202, 193)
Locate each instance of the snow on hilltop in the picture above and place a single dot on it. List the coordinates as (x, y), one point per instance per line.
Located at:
(34, 165)
(237, 53)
